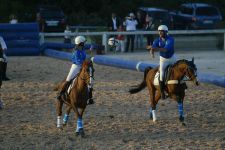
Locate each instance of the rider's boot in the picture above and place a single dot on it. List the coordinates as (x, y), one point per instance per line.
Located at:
(4, 68)
(90, 97)
(161, 85)
(63, 90)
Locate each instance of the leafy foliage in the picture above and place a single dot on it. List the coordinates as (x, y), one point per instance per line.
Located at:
(89, 12)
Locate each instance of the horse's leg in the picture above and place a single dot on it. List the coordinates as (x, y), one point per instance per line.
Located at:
(80, 128)
(152, 110)
(66, 115)
(79, 119)
(180, 100)
(59, 105)
(156, 99)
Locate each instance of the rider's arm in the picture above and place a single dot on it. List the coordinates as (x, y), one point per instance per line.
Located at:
(2, 42)
(169, 45)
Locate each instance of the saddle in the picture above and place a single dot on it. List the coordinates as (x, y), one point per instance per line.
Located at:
(166, 78)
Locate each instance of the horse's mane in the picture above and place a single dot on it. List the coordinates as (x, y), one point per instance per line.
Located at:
(189, 63)
(85, 63)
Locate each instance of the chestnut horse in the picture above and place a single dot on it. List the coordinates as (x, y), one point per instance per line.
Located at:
(77, 97)
(181, 71)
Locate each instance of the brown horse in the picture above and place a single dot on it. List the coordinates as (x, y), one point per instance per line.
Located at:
(181, 71)
(77, 97)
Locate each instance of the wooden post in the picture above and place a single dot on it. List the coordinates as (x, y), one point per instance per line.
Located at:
(104, 41)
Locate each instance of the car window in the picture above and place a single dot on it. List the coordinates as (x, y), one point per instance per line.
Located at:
(206, 11)
(186, 10)
(159, 15)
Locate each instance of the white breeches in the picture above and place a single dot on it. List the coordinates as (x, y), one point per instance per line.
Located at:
(74, 70)
(163, 63)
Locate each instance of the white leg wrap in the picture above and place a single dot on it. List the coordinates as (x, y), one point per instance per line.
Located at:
(154, 115)
(59, 124)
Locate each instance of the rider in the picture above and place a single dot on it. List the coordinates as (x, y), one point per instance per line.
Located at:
(3, 58)
(78, 57)
(165, 45)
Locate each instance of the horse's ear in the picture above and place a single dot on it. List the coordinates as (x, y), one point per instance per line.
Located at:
(193, 60)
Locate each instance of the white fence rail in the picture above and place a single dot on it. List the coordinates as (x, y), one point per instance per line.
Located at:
(105, 35)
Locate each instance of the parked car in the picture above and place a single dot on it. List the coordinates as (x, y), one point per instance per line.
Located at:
(160, 16)
(51, 19)
(196, 16)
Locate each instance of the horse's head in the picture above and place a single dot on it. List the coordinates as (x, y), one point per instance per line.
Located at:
(191, 71)
(88, 71)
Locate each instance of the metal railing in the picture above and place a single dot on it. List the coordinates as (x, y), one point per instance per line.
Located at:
(106, 35)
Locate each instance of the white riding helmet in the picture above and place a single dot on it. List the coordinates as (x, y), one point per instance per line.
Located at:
(113, 42)
(79, 39)
(163, 28)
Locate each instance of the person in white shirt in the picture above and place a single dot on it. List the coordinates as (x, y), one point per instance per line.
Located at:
(130, 24)
(67, 38)
(3, 58)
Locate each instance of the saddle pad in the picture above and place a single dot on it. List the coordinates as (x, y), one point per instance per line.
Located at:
(156, 80)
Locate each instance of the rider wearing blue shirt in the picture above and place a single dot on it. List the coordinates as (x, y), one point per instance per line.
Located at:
(165, 45)
(78, 57)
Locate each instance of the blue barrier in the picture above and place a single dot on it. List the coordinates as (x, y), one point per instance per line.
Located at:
(133, 65)
(22, 39)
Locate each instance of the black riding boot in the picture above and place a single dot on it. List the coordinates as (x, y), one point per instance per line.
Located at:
(90, 98)
(161, 85)
(63, 90)
(4, 68)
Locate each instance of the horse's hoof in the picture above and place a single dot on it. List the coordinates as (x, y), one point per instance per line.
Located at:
(60, 128)
(82, 133)
(77, 133)
(181, 118)
(150, 116)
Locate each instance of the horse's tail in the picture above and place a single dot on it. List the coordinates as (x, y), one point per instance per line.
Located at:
(141, 86)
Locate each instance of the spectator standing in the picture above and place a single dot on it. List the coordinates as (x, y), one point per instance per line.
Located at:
(149, 26)
(114, 22)
(67, 38)
(130, 24)
(3, 56)
(140, 27)
(13, 19)
(40, 22)
(120, 38)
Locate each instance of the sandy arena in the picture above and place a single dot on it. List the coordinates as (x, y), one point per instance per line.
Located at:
(117, 120)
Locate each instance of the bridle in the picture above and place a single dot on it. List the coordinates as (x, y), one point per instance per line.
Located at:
(190, 76)
(90, 75)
